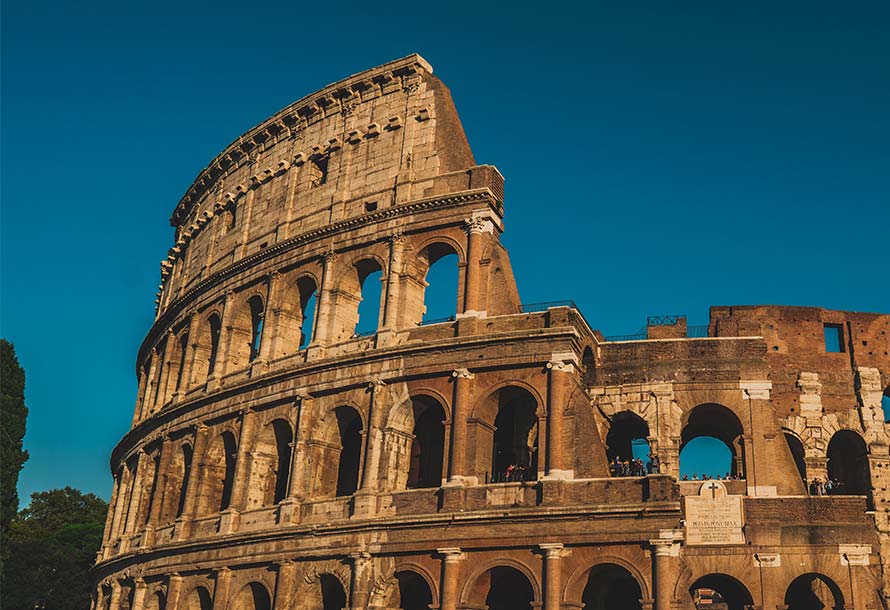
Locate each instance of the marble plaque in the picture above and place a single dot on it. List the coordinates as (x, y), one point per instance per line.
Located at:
(713, 517)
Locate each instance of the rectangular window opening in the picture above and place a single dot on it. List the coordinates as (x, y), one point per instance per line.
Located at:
(834, 338)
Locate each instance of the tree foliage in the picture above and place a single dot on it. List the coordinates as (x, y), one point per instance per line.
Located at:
(52, 545)
(12, 430)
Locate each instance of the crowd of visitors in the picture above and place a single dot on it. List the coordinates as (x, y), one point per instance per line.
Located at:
(828, 487)
(634, 467)
(706, 477)
(514, 473)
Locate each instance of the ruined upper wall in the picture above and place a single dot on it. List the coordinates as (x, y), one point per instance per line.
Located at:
(795, 340)
(377, 139)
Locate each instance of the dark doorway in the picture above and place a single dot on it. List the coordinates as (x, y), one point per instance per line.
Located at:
(509, 589)
(414, 592)
(350, 426)
(709, 591)
(611, 587)
(428, 445)
(848, 463)
(814, 592)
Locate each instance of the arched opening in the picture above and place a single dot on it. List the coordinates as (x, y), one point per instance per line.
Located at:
(885, 404)
(157, 374)
(182, 346)
(799, 455)
(370, 282)
(157, 601)
(349, 425)
(414, 591)
(333, 597)
(306, 289)
(428, 444)
(256, 325)
(441, 291)
(207, 348)
(151, 496)
(709, 591)
(712, 444)
(588, 365)
(848, 468)
(504, 588)
(814, 592)
(176, 483)
(611, 587)
(627, 445)
(514, 455)
(253, 596)
(218, 475)
(270, 465)
(199, 599)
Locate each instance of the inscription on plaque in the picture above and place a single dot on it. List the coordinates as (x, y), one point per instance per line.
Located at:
(713, 517)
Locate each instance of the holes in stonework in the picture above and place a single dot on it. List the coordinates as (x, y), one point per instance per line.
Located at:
(370, 206)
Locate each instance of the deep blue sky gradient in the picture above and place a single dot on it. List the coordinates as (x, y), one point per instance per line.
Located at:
(660, 158)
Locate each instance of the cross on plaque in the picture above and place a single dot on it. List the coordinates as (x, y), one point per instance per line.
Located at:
(713, 487)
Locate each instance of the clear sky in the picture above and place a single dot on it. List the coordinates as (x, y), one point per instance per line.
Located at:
(660, 158)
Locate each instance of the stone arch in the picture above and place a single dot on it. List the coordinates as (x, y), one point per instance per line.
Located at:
(296, 313)
(353, 288)
(609, 585)
(199, 598)
(798, 453)
(716, 421)
(270, 464)
(505, 584)
(324, 587)
(157, 600)
(246, 332)
(423, 573)
(179, 470)
(814, 591)
(847, 455)
(206, 347)
(625, 427)
(504, 429)
(434, 254)
(218, 474)
(337, 451)
(152, 491)
(414, 591)
(732, 591)
(577, 582)
(252, 596)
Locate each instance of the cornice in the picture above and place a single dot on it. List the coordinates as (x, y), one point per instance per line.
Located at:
(330, 100)
(483, 195)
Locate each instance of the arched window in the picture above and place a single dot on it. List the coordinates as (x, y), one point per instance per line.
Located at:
(214, 327)
(256, 325)
(588, 365)
(253, 596)
(626, 442)
(503, 588)
(610, 586)
(711, 443)
(713, 589)
(370, 278)
(270, 465)
(428, 444)
(441, 291)
(186, 475)
(848, 464)
(199, 599)
(180, 369)
(176, 483)
(349, 425)
(157, 373)
(414, 591)
(814, 592)
(218, 474)
(333, 597)
(797, 452)
(514, 455)
(306, 290)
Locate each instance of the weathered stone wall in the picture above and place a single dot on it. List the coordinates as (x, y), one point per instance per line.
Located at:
(464, 463)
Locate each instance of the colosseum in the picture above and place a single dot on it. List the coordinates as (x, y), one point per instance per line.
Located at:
(285, 455)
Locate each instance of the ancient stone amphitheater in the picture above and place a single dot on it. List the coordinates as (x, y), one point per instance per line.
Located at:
(281, 458)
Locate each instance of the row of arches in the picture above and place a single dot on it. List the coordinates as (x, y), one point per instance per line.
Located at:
(606, 586)
(270, 322)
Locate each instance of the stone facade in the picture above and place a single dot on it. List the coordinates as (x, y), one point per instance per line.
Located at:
(278, 459)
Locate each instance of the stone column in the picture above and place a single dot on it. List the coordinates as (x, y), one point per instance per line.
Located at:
(391, 307)
(243, 460)
(359, 589)
(450, 572)
(757, 394)
(136, 489)
(297, 484)
(174, 591)
(373, 440)
(160, 492)
(552, 578)
(221, 589)
(559, 378)
(194, 483)
(224, 345)
(459, 414)
(115, 602)
(139, 594)
(324, 315)
(188, 364)
(120, 506)
(151, 385)
(666, 430)
(663, 549)
(475, 227)
(110, 518)
(166, 370)
(284, 585)
(271, 314)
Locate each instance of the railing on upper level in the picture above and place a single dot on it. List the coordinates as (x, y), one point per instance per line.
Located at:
(545, 305)
(692, 332)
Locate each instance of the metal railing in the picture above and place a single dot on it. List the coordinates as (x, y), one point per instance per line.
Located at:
(664, 320)
(544, 306)
(427, 321)
(697, 332)
(692, 332)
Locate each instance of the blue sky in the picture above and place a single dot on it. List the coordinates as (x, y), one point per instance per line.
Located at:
(659, 159)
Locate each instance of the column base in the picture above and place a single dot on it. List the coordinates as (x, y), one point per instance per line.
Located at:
(461, 481)
(472, 313)
(288, 511)
(229, 520)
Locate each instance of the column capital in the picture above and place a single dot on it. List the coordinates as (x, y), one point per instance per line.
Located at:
(561, 366)
(477, 226)
(451, 554)
(768, 560)
(756, 389)
(302, 394)
(462, 374)
(397, 239)
(375, 383)
(552, 549)
(328, 257)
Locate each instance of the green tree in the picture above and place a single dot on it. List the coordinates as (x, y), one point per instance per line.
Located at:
(52, 545)
(12, 430)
